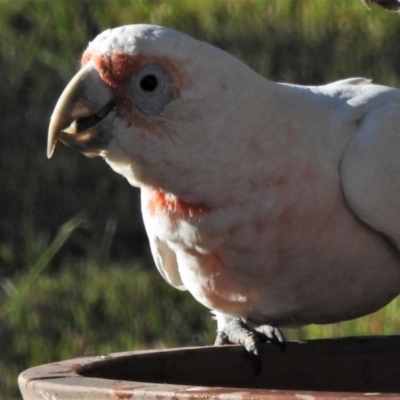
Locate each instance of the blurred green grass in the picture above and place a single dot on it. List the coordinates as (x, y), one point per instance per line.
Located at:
(91, 287)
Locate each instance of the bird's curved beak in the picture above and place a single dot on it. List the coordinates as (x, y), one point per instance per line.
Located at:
(78, 115)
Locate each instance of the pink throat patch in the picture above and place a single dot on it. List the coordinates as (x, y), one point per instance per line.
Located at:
(161, 202)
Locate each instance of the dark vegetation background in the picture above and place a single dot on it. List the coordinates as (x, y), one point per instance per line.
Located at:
(75, 272)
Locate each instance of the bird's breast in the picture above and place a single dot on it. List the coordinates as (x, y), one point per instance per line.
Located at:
(288, 255)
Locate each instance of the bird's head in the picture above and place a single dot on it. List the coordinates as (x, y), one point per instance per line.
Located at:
(156, 104)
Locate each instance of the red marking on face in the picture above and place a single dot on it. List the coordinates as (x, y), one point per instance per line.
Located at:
(116, 69)
(160, 202)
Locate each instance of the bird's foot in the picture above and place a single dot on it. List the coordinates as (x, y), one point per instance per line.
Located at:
(237, 332)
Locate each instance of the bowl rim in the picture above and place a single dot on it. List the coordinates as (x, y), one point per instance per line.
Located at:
(55, 380)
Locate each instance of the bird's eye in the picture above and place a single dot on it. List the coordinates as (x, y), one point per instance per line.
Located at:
(151, 88)
(149, 83)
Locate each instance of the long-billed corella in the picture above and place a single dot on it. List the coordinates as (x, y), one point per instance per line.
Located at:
(274, 205)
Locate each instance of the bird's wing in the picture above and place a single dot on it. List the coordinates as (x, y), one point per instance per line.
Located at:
(370, 167)
(165, 261)
(164, 257)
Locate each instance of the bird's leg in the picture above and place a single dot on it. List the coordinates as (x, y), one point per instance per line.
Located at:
(237, 332)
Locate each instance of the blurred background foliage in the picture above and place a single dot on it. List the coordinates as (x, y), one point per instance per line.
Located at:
(82, 285)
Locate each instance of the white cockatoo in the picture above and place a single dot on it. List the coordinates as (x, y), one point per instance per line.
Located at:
(274, 205)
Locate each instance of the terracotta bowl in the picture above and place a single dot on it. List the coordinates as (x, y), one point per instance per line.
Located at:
(353, 368)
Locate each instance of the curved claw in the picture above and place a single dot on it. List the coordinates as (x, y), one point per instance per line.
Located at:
(273, 335)
(237, 332)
